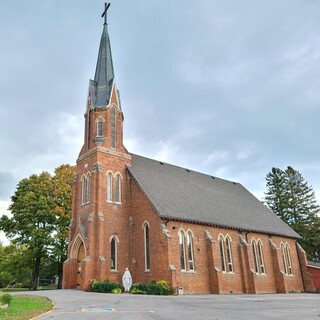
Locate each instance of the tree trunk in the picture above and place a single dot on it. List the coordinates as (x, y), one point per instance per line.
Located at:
(36, 273)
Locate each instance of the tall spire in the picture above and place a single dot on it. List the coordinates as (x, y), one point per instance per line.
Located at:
(103, 79)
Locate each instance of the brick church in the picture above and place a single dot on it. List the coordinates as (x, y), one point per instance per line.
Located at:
(201, 233)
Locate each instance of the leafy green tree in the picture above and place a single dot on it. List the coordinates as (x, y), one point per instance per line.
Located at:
(62, 198)
(32, 222)
(290, 197)
(14, 266)
(41, 212)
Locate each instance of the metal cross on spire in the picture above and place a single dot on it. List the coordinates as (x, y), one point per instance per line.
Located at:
(104, 14)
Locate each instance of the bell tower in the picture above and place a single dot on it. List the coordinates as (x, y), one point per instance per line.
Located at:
(98, 240)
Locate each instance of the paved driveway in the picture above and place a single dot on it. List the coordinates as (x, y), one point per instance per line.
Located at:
(75, 304)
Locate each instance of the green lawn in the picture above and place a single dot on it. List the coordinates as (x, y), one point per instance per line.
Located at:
(26, 307)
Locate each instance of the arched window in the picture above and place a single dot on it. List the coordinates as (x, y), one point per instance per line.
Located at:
(118, 188)
(182, 252)
(289, 265)
(83, 190)
(88, 188)
(261, 261)
(146, 247)
(222, 256)
(229, 254)
(190, 251)
(109, 187)
(255, 258)
(100, 128)
(114, 254)
(113, 127)
(284, 259)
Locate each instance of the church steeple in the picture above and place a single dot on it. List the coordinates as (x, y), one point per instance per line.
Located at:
(101, 86)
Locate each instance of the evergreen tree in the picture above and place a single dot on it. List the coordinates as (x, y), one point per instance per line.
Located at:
(276, 196)
(290, 197)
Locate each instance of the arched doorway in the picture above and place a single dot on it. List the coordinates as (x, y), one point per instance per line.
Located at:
(80, 257)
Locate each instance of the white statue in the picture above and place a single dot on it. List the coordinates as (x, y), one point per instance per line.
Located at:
(127, 280)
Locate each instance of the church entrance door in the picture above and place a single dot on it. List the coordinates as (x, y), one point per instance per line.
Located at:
(79, 265)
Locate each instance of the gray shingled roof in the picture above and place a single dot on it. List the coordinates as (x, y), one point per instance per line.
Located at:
(181, 194)
(101, 86)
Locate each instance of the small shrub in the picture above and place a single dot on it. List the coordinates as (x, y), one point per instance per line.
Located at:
(154, 287)
(5, 298)
(104, 287)
(116, 290)
(166, 287)
(140, 288)
(135, 290)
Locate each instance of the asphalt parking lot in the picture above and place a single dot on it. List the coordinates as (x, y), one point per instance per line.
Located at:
(75, 304)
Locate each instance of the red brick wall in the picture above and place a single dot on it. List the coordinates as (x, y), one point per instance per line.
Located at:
(142, 211)
(315, 275)
(166, 251)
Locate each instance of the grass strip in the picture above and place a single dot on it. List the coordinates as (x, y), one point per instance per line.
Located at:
(25, 307)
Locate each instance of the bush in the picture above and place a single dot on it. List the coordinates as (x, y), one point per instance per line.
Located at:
(116, 290)
(166, 287)
(154, 287)
(5, 298)
(104, 287)
(135, 290)
(140, 288)
(160, 287)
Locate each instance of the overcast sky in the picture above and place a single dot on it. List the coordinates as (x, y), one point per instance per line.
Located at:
(228, 88)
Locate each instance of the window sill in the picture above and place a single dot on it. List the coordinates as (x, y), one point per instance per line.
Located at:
(260, 274)
(84, 204)
(114, 271)
(147, 271)
(113, 202)
(188, 271)
(227, 273)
